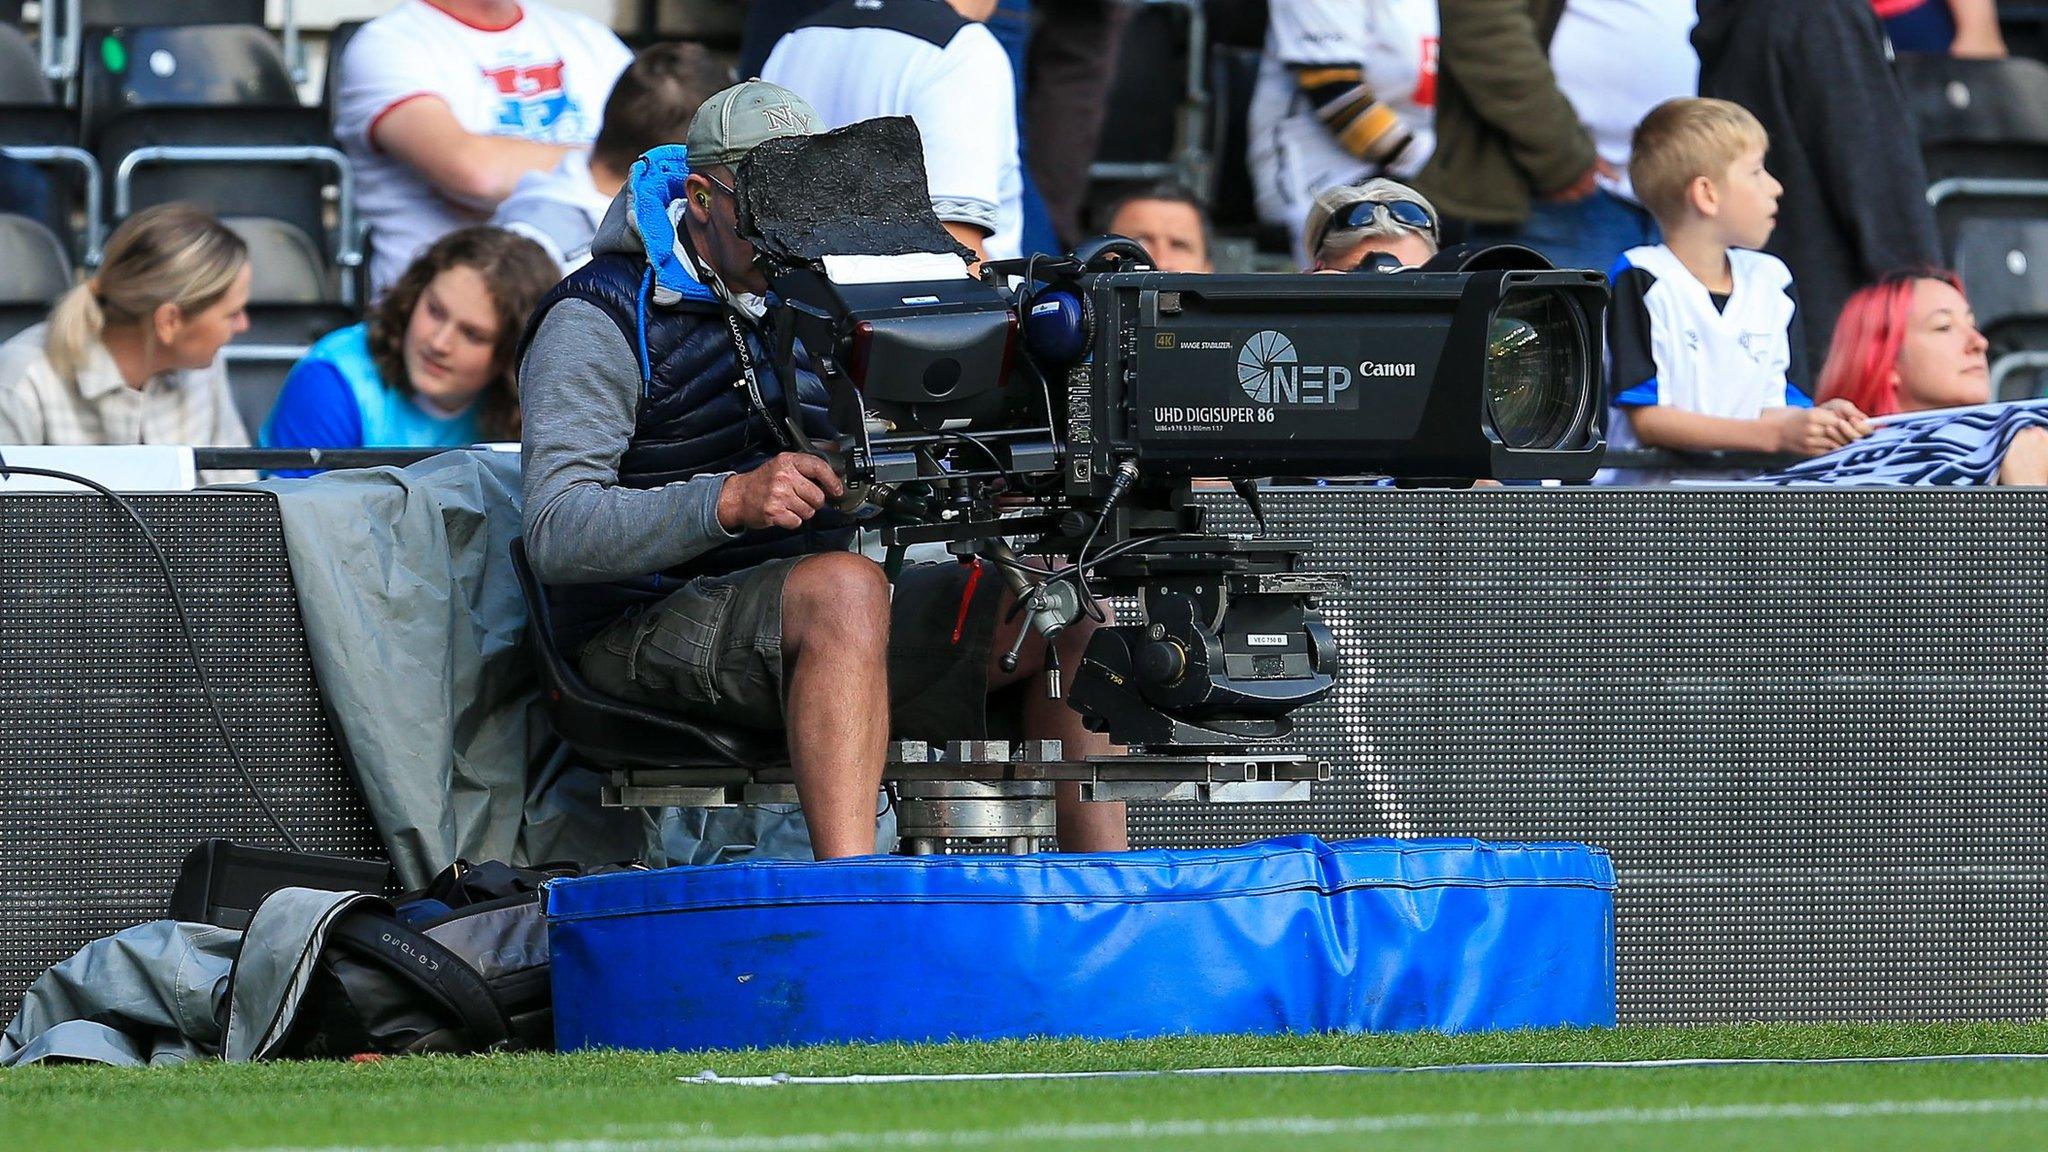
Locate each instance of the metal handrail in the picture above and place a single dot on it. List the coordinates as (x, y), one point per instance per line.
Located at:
(95, 219)
(2013, 362)
(264, 353)
(47, 41)
(346, 253)
(1984, 186)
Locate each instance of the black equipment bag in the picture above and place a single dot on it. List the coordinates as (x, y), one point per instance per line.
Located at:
(460, 966)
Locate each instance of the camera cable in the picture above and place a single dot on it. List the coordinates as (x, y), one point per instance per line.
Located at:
(163, 564)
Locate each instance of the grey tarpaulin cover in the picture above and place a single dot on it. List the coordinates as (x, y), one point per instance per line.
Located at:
(167, 992)
(417, 634)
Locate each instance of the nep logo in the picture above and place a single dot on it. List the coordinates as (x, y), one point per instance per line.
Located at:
(1270, 372)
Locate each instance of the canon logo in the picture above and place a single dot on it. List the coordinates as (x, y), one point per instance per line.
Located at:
(1370, 368)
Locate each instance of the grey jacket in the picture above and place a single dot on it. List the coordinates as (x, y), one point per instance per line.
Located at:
(580, 389)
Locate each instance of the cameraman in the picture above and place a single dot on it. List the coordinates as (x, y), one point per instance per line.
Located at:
(693, 560)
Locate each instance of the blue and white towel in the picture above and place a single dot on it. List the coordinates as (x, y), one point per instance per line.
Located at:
(1948, 448)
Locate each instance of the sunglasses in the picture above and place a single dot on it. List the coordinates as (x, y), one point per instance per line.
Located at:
(1404, 212)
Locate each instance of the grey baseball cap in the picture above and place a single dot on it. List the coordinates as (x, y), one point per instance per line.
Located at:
(731, 123)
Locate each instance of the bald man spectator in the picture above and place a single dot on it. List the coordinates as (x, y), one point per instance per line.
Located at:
(1169, 222)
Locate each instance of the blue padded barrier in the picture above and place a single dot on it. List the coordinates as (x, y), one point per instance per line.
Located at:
(1287, 935)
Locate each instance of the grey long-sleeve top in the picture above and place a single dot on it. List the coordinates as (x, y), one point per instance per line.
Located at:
(580, 389)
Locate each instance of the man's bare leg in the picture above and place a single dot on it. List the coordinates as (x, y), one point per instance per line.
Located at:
(1084, 826)
(835, 650)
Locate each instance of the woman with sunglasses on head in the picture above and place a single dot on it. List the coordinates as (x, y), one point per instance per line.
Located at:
(1351, 222)
(1346, 91)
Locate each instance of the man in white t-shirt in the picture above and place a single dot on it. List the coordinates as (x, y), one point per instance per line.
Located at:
(651, 105)
(1535, 106)
(444, 104)
(1346, 92)
(930, 60)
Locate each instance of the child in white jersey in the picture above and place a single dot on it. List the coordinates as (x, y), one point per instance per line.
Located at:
(1704, 339)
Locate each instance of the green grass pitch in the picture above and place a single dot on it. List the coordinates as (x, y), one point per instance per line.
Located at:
(633, 1102)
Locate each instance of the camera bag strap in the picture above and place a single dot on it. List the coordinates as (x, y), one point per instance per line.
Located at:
(423, 964)
(749, 383)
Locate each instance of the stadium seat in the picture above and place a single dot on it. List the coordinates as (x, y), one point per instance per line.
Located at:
(2003, 262)
(1233, 207)
(293, 301)
(21, 70)
(205, 65)
(277, 163)
(106, 13)
(47, 136)
(1979, 118)
(1157, 123)
(38, 271)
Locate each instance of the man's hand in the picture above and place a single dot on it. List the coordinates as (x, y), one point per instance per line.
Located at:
(1817, 431)
(782, 493)
(1587, 184)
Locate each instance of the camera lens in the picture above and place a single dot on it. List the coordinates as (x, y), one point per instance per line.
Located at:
(1535, 375)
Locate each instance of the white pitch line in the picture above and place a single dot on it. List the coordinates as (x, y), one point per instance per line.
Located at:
(782, 1079)
(695, 1138)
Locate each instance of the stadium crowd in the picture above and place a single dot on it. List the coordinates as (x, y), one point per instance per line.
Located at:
(1743, 170)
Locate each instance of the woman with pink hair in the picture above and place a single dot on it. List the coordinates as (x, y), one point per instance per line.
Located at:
(1907, 343)
(1907, 352)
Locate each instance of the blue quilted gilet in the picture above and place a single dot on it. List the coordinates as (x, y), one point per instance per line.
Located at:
(692, 419)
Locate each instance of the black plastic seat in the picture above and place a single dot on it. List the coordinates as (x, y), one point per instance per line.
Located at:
(98, 13)
(293, 301)
(2004, 264)
(337, 46)
(199, 65)
(38, 271)
(21, 70)
(616, 734)
(1155, 121)
(281, 165)
(46, 135)
(1979, 118)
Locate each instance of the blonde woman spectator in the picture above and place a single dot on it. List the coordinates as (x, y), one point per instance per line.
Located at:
(132, 356)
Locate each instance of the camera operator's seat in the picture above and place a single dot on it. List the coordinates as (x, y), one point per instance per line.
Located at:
(655, 759)
(616, 734)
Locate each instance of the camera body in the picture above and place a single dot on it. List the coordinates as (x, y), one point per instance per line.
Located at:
(1071, 405)
(1428, 374)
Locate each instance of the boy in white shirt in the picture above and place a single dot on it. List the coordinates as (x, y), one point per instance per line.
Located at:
(445, 104)
(1704, 339)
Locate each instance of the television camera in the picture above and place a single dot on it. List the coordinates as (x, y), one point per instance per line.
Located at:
(1072, 406)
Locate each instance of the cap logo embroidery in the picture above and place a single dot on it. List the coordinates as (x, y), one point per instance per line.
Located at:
(781, 117)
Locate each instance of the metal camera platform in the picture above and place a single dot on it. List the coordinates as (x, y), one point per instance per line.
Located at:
(994, 790)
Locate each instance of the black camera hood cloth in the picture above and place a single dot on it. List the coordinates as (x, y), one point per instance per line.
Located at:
(854, 191)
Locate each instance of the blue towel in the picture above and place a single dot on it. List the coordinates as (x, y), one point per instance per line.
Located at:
(1952, 448)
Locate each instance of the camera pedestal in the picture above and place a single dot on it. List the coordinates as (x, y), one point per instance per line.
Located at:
(994, 790)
